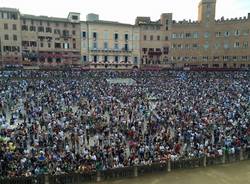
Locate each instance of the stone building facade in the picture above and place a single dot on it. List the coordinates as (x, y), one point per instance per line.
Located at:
(206, 43)
(10, 36)
(110, 45)
(94, 43)
(51, 41)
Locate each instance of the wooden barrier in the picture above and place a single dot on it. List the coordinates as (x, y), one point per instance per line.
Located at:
(127, 172)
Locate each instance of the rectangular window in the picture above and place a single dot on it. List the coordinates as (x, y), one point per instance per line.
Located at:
(236, 44)
(196, 35)
(117, 59)
(84, 58)
(151, 37)
(41, 44)
(95, 45)
(245, 45)
(5, 26)
(165, 50)
(66, 45)
(126, 59)
(188, 35)
(74, 45)
(65, 33)
(6, 37)
(48, 30)
(126, 47)
(166, 38)
(33, 44)
(218, 34)
(234, 58)
(15, 37)
(74, 17)
(40, 29)
(116, 47)
(57, 45)
(244, 58)
(116, 36)
(105, 58)
(135, 60)
(14, 27)
(94, 35)
(73, 32)
(205, 58)
(84, 35)
(95, 58)
(145, 37)
(32, 28)
(49, 45)
(126, 37)
(225, 58)
(105, 45)
(195, 45)
(50, 60)
(158, 38)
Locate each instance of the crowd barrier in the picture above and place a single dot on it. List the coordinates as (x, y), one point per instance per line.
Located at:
(128, 172)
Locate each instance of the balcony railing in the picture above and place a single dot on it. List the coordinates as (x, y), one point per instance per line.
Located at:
(110, 50)
(156, 53)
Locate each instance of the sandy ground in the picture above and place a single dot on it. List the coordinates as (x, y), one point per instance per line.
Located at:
(238, 173)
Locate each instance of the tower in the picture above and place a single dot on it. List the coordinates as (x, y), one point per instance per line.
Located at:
(207, 10)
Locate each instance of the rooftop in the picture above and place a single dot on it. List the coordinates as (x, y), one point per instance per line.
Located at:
(9, 9)
(44, 18)
(108, 22)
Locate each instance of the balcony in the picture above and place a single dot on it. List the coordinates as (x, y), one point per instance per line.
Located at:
(110, 50)
(156, 53)
(111, 63)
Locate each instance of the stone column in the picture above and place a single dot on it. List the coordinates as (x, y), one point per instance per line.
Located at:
(98, 176)
(224, 157)
(169, 165)
(135, 171)
(205, 161)
(241, 154)
(46, 179)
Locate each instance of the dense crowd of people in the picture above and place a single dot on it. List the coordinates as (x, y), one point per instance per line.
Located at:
(60, 122)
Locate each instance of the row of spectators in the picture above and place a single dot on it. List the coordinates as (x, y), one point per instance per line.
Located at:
(59, 122)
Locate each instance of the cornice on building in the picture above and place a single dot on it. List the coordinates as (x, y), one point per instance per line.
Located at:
(104, 22)
(232, 20)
